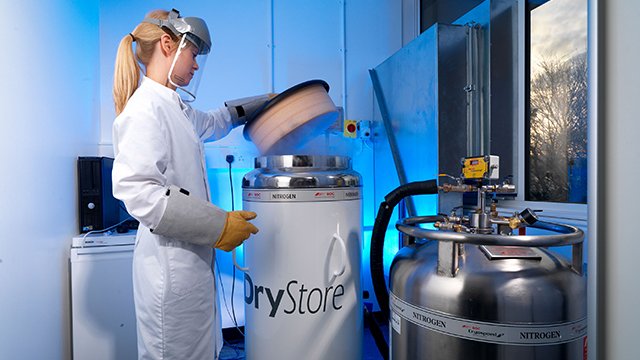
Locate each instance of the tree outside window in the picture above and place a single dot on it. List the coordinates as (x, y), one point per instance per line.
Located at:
(557, 158)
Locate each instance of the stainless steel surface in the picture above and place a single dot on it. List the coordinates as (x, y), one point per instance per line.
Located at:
(502, 292)
(448, 254)
(303, 161)
(301, 171)
(391, 138)
(569, 235)
(481, 198)
(480, 221)
(475, 120)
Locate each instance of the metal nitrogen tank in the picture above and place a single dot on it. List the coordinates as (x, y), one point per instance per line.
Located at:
(302, 277)
(477, 296)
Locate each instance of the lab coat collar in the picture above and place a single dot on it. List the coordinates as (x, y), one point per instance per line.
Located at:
(163, 91)
(172, 97)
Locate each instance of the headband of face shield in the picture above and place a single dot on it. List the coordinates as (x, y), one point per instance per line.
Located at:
(191, 31)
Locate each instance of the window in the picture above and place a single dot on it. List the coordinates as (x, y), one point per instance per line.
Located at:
(556, 128)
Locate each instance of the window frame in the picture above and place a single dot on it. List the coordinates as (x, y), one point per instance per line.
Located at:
(571, 213)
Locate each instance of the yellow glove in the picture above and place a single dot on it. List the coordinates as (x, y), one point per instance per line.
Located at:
(236, 230)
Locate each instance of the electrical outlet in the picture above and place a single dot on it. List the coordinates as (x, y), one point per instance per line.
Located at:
(217, 157)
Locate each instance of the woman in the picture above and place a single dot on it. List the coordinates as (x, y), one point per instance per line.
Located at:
(159, 173)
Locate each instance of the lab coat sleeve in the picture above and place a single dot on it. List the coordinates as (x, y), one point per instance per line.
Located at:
(190, 219)
(141, 158)
(211, 125)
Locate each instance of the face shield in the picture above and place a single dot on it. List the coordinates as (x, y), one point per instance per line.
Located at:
(189, 60)
(186, 69)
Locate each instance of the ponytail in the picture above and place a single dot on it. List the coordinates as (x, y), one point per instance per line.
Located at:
(126, 76)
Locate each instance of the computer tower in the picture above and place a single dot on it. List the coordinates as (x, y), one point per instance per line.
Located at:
(98, 208)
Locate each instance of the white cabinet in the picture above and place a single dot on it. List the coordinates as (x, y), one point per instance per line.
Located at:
(103, 323)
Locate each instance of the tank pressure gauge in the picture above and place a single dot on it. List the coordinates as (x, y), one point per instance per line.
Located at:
(481, 167)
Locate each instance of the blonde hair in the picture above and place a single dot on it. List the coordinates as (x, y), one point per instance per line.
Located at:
(126, 76)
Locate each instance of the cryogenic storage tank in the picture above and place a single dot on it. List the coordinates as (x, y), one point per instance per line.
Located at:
(504, 302)
(477, 290)
(302, 270)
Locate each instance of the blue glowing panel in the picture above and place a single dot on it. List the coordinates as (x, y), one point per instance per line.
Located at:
(220, 187)
(391, 247)
(230, 281)
(421, 86)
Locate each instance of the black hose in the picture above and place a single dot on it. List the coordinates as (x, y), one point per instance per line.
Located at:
(380, 228)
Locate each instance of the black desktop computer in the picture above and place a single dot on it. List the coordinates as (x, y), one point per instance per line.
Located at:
(98, 208)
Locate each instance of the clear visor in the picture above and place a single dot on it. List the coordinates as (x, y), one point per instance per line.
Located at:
(186, 69)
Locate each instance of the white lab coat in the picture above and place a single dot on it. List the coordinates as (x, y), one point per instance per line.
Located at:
(158, 147)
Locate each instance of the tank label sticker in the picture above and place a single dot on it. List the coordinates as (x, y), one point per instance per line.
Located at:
(495, 333)
(306, 195)
(395, 323)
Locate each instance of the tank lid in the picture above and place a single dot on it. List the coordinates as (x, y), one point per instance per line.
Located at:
(301, 171)
(324, 162)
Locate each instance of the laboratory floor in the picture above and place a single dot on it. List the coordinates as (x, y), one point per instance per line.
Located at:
(234, 347)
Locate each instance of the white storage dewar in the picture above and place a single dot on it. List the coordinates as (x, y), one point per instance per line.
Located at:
(302, 278)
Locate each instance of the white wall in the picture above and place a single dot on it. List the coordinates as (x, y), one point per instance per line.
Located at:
(618, 176)
(49, 116)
